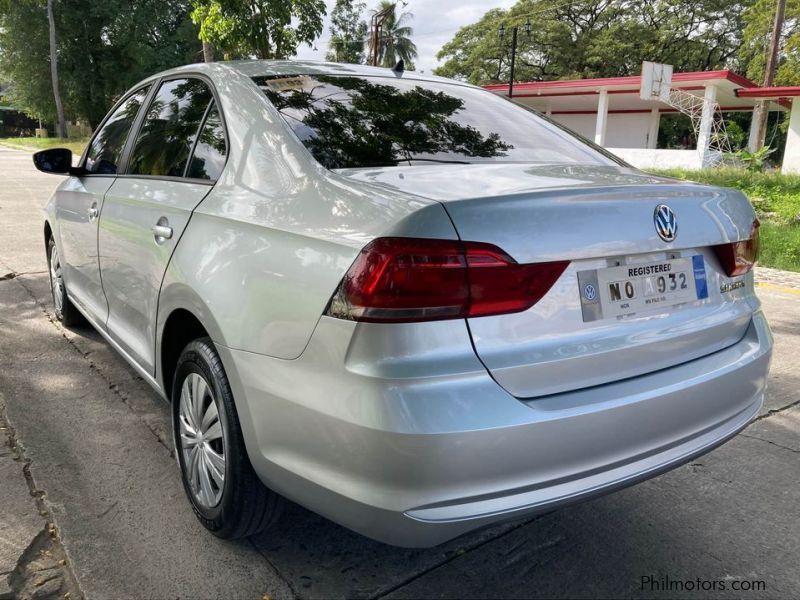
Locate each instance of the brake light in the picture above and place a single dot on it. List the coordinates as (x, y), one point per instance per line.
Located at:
(406, 279)
(737, 258)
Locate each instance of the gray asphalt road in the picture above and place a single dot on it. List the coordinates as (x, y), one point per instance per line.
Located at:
(98, 445)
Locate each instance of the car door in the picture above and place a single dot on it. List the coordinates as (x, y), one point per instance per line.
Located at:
(80, 201)
(178, 152)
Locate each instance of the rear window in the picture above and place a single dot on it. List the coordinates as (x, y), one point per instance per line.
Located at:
(351, 122)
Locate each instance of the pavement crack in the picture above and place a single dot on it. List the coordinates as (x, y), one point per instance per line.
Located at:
(448, 559)
(112, 386)
(753, 437)
(775, 411)
(13, 275)
(274, 568)
(45, 552)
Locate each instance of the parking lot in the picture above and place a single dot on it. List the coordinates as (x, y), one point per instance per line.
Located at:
(96, 440)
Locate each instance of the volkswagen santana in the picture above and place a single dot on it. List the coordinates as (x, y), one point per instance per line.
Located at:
(401, 301)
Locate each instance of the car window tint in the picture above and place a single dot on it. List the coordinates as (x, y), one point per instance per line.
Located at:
(209, 153)
(357, 122)
(169, 129)
(106, 148)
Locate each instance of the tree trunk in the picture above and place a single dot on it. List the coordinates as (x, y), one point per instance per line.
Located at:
(61, 124)
(208, 52)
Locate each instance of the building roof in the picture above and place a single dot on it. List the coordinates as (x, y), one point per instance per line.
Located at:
(773, 93)
(579, 96)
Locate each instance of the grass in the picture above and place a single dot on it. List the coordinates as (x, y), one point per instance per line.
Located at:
(775, 197)
(33, 143)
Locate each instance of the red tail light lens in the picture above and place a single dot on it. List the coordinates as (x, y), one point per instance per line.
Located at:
(405, 279)
(737, 258)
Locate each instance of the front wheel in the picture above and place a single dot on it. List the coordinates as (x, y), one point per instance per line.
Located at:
(64, 310)
(226, 494)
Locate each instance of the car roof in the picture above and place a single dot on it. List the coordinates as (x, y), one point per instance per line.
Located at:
(257, 68)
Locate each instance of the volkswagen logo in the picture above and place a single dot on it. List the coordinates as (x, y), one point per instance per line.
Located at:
(666, 223)
(590, 292)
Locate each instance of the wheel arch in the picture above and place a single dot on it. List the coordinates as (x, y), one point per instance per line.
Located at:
(48, 233)
(182, 317)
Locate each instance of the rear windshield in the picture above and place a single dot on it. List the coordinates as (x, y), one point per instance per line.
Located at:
(351, 122)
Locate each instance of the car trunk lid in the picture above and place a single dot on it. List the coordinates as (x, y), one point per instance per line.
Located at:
(601, 219)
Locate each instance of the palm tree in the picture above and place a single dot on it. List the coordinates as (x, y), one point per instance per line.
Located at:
(395, 36)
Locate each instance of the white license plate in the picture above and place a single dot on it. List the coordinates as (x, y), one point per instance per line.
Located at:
(630, 289)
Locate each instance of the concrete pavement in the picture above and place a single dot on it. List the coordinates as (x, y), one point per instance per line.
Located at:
(98, 444)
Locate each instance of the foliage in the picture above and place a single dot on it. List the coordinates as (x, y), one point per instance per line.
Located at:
(395, 41)
(33, 143)
(596, 38)
(260, 28)
(780, 246)
(377, 125)
(754, 161)
(756, 37)
(348, 32)
(776, 198)
(103, 49)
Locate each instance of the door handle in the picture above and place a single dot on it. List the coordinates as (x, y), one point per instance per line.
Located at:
(93, 212)
(162, 231)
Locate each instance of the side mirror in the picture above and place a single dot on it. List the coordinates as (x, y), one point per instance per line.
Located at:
(56, 160)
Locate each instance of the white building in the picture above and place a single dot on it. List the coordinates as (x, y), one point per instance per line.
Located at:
(611, 112)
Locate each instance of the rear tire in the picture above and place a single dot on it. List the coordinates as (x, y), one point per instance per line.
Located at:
(226, 494)
(63, 308)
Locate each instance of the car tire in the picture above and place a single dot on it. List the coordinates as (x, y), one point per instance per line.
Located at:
(231, 502)
(63, 308)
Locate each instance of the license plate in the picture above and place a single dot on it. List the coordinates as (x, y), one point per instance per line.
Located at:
(630, 289)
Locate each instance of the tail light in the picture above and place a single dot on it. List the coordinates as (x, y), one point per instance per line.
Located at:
(737, 258)
(405, 279)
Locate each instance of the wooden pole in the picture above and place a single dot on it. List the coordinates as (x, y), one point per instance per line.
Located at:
(760, 114)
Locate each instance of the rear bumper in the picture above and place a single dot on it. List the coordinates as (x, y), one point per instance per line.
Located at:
(416, 460)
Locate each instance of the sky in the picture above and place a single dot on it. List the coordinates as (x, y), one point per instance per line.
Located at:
(435, 22)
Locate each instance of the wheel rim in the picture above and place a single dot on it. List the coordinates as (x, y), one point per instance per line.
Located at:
(56, 279)
(202, 441)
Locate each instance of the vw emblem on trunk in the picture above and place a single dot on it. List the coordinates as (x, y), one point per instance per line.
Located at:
(590, 292)
(666, 223)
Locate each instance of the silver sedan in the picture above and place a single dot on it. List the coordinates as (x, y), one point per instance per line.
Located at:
(401, 301)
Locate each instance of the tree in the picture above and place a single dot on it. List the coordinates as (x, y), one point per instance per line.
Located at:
(61, 124)
(25, 58)
(597, 38)
(395, 37)
(260, 28)
(756, 36)
(103, 48)
(348, 32)
(357, 122)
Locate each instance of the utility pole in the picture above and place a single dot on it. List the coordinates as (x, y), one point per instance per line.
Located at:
(61, 124)
(376, 22)
(758, 130)
(502, 32)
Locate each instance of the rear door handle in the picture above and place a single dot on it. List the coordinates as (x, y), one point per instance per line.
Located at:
(93, 212)
(162, 231)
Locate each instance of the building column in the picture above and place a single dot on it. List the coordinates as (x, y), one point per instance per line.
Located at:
(652, 130)
(791, 155)
(706, 120)
(602, 118)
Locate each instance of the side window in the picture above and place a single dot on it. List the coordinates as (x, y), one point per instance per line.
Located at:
(106, 149)
(209, 153)
(169, 129)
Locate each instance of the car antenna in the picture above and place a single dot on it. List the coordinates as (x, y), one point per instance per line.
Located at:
(399, 67)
